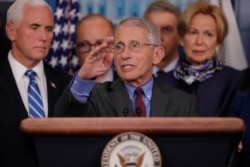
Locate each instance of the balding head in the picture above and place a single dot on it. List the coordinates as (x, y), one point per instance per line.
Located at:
(91, 30)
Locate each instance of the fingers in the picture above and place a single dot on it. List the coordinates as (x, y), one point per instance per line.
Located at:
(98, 61)
(103, 54)
(108, 59)
(104, 47)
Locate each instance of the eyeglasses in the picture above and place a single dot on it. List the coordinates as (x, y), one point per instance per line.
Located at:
(133, 46)
(86, 46)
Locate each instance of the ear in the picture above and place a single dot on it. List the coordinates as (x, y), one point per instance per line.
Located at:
(10, 31)
(158, 54)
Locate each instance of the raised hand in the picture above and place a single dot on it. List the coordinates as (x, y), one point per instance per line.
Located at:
(98, 61)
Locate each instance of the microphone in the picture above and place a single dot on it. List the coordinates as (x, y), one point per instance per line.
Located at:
(138, 111)
(125, 111)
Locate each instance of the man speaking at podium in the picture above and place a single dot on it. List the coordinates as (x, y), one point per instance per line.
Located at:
(135, 48)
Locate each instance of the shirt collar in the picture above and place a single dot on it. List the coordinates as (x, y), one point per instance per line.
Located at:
(168, 68)
(147, 88)
(18, 69)
(109, 76)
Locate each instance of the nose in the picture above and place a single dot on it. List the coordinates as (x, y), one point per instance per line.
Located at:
(93, 46)
(199, 39)
(162, 38)
(43, 35)
(126, 52)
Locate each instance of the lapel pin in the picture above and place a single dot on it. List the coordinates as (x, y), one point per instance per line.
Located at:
(52, 84)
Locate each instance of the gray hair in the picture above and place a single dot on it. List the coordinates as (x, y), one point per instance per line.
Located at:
(153, 35)
(15, 11)
(162, 6)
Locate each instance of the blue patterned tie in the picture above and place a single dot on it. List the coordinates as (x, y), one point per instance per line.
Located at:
(36, 109)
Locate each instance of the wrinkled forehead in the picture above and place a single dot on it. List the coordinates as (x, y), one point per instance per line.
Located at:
(37, 9)
(126, 33)
(127, 26)
(36, 17)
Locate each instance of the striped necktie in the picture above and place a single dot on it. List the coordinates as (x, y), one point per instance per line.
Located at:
(36, 109)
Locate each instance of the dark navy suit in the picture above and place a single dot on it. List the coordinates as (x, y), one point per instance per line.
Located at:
(241, 108)
(16, 148)
(215, 94)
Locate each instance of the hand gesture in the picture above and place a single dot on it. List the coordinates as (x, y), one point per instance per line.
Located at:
(98, 61)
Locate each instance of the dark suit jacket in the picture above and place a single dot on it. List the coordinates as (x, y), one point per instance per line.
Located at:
(112, 99)
(16, 148)
(246, 82)
(241, 108)
(215, 94)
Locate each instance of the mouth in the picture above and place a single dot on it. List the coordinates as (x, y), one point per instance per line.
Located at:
(198, 51)
(41, 47)
(127, 67)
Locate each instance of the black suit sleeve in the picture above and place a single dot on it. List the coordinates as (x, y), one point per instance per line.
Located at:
(68, 106)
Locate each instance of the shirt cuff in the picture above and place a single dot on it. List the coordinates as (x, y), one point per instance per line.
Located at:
(81, 89)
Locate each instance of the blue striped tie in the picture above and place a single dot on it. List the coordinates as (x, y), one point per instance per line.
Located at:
(36, 109)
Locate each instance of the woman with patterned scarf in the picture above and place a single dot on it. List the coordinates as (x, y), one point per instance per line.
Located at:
(202, 29)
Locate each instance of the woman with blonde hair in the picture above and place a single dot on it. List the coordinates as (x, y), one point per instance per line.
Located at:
(202, 29)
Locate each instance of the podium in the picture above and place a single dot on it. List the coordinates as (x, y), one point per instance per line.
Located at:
(79, 142)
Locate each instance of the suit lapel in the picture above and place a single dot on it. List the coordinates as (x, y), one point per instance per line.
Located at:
(52, 88)
(159, 101)
(10, 90)
(122, 102)
(120, 98)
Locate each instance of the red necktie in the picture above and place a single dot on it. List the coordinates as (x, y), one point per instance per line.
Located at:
(140, 109)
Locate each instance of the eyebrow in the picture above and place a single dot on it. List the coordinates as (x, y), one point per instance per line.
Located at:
(34, 24)
(39, 25)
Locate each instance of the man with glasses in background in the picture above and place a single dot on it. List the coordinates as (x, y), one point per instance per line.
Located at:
(135, 48)
(165, 16)
(91, 31)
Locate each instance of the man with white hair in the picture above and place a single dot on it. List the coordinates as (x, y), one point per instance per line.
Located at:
(29, 27)
(135, 48)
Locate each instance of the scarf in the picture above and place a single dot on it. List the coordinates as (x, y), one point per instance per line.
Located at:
(186, 72)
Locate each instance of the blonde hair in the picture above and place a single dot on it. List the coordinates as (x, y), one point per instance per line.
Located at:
(206, 9)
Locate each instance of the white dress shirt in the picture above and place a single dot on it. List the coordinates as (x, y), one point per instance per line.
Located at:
(22, 81)
(168, 68)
